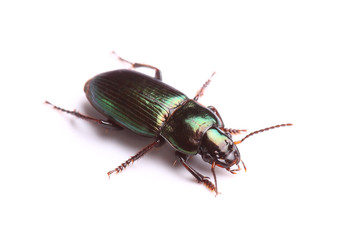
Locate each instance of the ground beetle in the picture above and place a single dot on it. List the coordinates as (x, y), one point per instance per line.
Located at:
(151, 108)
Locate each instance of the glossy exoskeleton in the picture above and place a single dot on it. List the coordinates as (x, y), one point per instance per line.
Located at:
(149, 107)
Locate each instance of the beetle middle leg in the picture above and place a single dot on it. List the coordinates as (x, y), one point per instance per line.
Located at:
(199, 177)
(121, 167)
(103, 123)
(139, 65)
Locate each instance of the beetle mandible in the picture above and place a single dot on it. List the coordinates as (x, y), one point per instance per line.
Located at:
(151, 108)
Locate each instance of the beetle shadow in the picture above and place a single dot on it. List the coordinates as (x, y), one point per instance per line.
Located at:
(164, 153)
(127, 139)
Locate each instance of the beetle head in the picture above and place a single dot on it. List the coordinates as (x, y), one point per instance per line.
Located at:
(218, 147)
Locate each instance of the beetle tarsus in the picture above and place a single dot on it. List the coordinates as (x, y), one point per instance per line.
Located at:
(103, 123)
(125, 164)
(139, 65)
(121, 167)
(209, 185)
(202, 89)
(110, 172)
(233, 131)
(199, 177)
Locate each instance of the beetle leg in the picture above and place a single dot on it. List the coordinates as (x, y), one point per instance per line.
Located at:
(135, 157)
(202, 89)
(233, 131)
(214, 110)
(213, 172)
(226, 130)
(199, 177)
(138, 65)
(103, 123)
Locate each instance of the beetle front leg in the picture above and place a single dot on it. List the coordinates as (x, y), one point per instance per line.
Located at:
(222, 126)
(214, 110)
(233, 131)
(138, 65)
(202, 89)
(199, 177)
(103, 123)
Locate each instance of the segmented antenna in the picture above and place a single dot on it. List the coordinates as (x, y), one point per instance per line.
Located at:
(262, 130)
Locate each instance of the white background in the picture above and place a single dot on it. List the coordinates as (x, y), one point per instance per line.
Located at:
(276, 62)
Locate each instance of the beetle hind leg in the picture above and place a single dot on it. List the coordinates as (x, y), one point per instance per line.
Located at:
(103, 123)
(139, 65)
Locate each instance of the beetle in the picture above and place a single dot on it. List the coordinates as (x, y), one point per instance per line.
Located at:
(149, 107)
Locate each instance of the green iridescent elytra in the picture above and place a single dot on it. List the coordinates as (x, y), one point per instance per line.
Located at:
(151, 108)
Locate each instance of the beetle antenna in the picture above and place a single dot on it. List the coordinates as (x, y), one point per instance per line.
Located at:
(262, 130)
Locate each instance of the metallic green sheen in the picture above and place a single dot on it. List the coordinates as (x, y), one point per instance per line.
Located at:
(218, 139)
(134, 100)
(187, 125)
